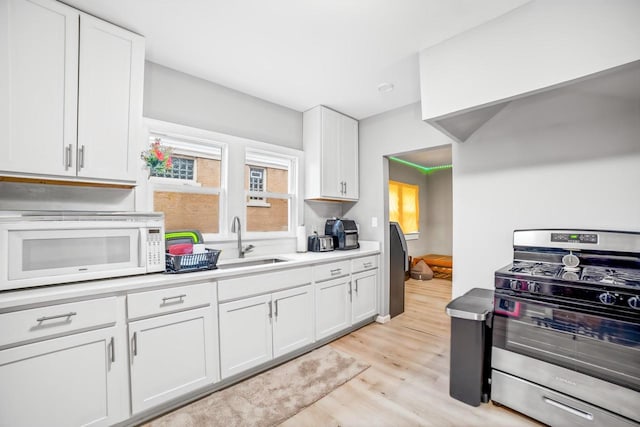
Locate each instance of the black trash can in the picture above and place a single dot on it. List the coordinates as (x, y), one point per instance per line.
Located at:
(470, 363)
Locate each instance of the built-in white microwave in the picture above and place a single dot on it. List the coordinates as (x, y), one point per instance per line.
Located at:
(46, 248)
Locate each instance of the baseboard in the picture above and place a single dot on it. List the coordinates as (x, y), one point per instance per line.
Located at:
(383, 319)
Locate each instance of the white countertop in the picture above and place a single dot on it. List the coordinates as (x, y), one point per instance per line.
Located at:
(97, 288)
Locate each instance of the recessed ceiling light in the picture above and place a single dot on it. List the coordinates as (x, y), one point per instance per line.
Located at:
(385, 87)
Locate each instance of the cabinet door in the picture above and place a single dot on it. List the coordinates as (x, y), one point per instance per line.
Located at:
(364, 290)
(349, 157)
(332, 182)
(333, 307)
(171, 355)
(245, 334)
(38, 86)
(292, 319)
(69, 381)
(110, 99)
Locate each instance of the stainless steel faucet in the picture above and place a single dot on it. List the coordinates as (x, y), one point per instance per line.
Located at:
(237, 228)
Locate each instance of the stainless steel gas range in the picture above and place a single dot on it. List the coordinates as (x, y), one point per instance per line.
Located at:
(566, 328)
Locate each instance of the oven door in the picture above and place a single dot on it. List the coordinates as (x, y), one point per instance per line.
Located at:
(591, 343)
(51, 256)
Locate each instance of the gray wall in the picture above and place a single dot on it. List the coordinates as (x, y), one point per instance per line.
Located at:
(439, 213)
(176, 97)
(386, 134)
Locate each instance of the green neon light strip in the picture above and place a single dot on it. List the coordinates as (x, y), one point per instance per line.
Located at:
(422, 169)
(193, 236)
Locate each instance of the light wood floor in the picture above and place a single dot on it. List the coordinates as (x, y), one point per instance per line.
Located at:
(408, 381)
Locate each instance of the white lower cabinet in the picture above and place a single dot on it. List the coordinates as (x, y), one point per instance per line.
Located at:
(245, 334)
(69, 381)
(333, 306)
(173, 353)
(364, 290)
(292, 319)
(345, 301)
(257, 329)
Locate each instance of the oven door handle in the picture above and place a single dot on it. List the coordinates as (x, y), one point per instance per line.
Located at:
(567, 408)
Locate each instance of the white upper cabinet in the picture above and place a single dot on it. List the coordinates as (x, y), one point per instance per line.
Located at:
(331, 155)
(110, 100)
(38, 86)
(70, 94)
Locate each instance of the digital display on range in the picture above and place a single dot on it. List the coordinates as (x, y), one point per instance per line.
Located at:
(574, 237)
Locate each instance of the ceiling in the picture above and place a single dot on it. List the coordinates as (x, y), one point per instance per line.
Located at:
(300, 53)
(428, 158)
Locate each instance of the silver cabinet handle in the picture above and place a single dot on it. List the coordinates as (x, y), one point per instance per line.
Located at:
(356, 282)
(567, 408)
(345, 187)
(276, 303)
(367, 264)
(112, 346)
(59, 316)
(270, 310)
(67, 156)
(336, 271)
(350, 293)
(134, 343)
(178, 297)
(81, 157)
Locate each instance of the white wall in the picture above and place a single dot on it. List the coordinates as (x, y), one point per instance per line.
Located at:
(564, 159)
(409, 175)
(176, 97)
(386, 134)
(439, 213)
(540, 44)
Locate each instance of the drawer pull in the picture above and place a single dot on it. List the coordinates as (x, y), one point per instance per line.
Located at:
(59, 316)
(367, 264)
(336, 271)
(178, 297)
(569, 409)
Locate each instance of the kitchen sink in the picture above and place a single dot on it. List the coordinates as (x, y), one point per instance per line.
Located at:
(251, 263)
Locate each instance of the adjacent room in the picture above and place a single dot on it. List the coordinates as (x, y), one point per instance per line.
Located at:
(319, 213)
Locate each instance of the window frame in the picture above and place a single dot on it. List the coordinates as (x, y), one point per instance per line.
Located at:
(267, 158)
(189, 142)
(409, 235)
(232, 192)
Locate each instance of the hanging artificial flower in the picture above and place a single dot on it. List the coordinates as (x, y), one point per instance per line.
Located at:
(157, 158)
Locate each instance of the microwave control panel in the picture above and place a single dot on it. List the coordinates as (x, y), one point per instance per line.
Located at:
(155, 250)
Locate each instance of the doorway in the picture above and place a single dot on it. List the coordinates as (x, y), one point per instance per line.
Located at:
(420, 200)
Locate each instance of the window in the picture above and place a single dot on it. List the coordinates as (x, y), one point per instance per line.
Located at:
(189, 193)
(269, 191)
(183, 168)
(257, 178)
(404, 206)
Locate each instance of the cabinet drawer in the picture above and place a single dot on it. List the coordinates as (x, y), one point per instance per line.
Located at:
(331, 271)
(168, 300)
(244, 286)
(59, 319)
(364, 263)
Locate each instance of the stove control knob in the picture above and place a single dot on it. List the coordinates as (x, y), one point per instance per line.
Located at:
(634, 302)
(532, 286)
(513, 284)
(607, 299)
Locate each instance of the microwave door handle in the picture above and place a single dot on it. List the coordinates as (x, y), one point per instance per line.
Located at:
(142, 247)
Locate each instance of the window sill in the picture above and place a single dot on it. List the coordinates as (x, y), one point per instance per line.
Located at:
(412, 236)
(258, 204)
